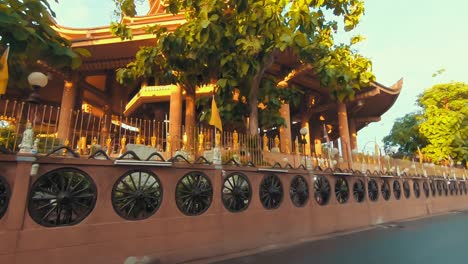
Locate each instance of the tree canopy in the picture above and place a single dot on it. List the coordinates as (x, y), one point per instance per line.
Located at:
(233, 43)
(440, 130)
(405, 136)
(445, 121)
(26, 26)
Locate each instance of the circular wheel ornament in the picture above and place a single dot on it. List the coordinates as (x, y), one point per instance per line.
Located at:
(137, 195)
(462, 187)
(299, 191)
(439, 187)
(426, 188)
(455, 187)
(236, 192)
(450, 187)
(385, 189)
(341, 190)
(406, 189)
(373, 190)
(359, 191)
(396, 189)
(416, 189)
(321, 190)
(62, 197)
(271, 192)
(4, 196)
(433, 187)
(445, 188)
(193, 193)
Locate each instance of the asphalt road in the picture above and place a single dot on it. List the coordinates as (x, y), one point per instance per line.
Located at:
(441, 239)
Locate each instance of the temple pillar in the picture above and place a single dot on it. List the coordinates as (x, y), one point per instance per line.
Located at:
(117, 102)
(66, 108)
(344, 133)
(305, 123)
(175, 118)
(285, 131)
(353, 134)
(316, 135)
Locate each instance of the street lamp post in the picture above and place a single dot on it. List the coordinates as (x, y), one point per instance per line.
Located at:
(37, 80)
(303, 133)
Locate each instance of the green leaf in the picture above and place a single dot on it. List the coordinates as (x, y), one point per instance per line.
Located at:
(222, 83)
(83, 52)
(205, 23)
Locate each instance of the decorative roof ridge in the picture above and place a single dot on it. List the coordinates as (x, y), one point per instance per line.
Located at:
(394, 89)
(135, 21)
(156, 7)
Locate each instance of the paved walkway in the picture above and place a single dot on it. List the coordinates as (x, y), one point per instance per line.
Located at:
(441, 239)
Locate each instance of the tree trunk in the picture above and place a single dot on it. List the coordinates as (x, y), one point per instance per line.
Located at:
(253, 103)
(190, 118)
(253, 95)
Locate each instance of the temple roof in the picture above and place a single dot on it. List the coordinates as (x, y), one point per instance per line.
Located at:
(367, 107)
(110, 53)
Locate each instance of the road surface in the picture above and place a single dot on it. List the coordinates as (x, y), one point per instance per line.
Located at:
(440, 239)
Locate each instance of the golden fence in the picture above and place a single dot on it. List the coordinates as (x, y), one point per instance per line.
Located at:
(86, 132)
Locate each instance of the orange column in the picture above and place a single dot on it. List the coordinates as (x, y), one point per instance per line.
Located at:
(344, 133)
(285, 132)
(66, 107)
(175, 118)
(316, 135)
(353, 133)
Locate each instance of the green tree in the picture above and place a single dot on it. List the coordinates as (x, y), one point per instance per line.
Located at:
(234, 42)
(26, 26)
(445, 121)
(405, 136)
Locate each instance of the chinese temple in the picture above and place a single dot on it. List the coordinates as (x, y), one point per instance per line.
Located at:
(95, 172)
(93, 88)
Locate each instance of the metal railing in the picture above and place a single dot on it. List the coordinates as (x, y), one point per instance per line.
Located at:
(87, 133)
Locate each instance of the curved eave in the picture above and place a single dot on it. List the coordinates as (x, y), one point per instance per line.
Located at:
(159, 93)
(375, 106)
(101, 35)
(394, 89)
(369, 105)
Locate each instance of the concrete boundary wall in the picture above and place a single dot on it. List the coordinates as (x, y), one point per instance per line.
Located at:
(171, 237)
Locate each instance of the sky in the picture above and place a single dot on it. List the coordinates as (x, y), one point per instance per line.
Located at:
(409, 39)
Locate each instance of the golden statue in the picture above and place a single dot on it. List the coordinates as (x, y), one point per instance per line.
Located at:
(94, 146)
(265, 142)
(168, 143)
(235, 141)
(277, 141)
(288, 151)
(142, 140)
(65, 144)
(184, 141)
(108, 145)
(217, 139)
(123, 144)
(153, 141)
(82, 148)
(138, 139)
(200, 142)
